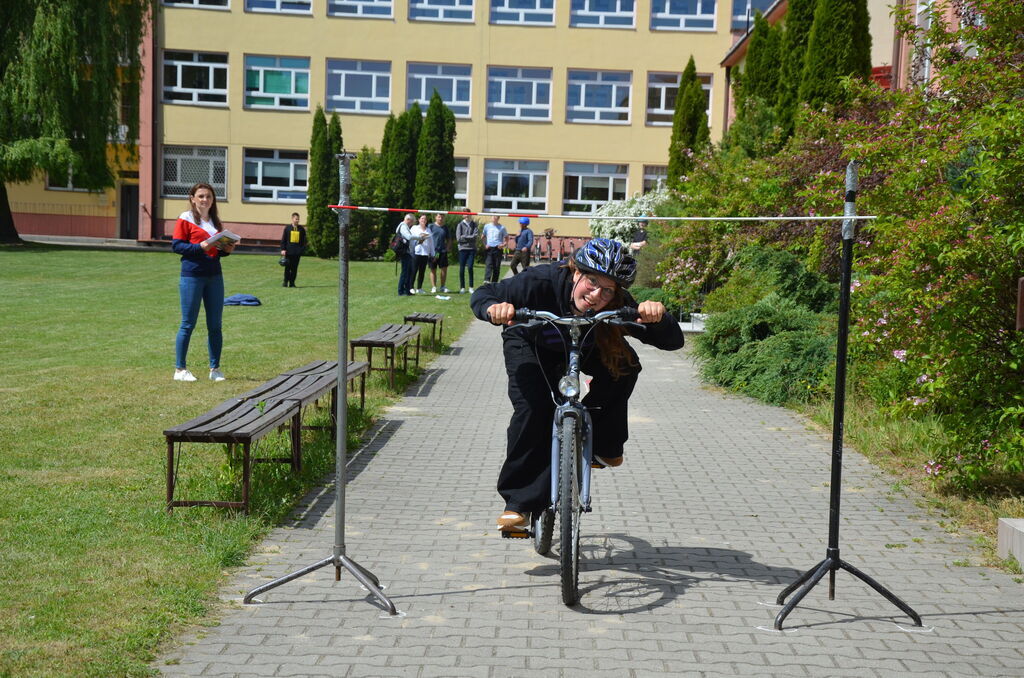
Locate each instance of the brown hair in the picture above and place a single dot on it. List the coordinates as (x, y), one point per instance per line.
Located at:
(610, 339)
(213, 205)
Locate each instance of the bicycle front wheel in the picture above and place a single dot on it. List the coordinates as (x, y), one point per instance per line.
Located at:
(569, 509)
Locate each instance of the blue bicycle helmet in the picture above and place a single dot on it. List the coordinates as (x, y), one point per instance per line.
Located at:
(607, 257)
(525, 221)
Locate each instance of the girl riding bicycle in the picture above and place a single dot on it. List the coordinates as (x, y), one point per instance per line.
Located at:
(595, 278)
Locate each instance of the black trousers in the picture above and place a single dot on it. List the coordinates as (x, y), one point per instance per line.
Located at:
(520, 257)
(492, 264)
(291, 268)
(524, 481)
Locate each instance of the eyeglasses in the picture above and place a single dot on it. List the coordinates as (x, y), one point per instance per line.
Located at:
(606, 293)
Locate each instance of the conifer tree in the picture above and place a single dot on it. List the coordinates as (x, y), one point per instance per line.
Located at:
(364, 236)
(799, 20)
(320, 221)
(690, 134)
(434, 161)
(65, 69)
(761, 74)
(384, 192)
(839, 45)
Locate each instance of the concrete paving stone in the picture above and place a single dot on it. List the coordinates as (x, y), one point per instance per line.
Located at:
(454, 672)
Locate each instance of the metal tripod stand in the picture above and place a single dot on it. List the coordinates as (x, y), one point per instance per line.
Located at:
(832, 561)
(338, 557)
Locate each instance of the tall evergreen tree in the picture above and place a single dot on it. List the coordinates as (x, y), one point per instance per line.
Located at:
(761, 74)
(434, 187)
(328, 237)
(799, 20)
(364, 235)
(385, 193)
(399, 171)
(839, 45)
(321, 225)
(65, 69)
(679, 160)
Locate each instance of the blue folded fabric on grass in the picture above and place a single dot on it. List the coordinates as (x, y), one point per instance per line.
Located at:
(242, 300)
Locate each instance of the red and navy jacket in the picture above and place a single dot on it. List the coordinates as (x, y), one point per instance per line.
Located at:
(195, 263)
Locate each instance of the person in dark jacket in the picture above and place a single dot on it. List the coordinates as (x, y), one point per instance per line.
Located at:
(293, 246)
(595, 278)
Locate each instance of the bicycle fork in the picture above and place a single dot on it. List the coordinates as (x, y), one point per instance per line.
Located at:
(585, 431)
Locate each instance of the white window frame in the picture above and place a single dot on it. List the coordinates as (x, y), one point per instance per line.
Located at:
(923, 19)
(69, 186)
(280, 6)
(298, 175)
(664, 19)
(504, 77)
(224, 5)
(655, 177)
(586, 79)
(667, 93)
(212, 67)
(418, 87)
(536, 174)
(296, 74)
(449, 11)
(361, 9)
(213, 156)
(582, 14)
(462, 182)
(592, 176)
(341, 70)
(541, 14)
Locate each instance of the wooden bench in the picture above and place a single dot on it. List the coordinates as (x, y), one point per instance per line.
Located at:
(248, 418)
(390, 338)
(436, 321)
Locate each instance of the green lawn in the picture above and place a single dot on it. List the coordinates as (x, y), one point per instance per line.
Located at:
(96, 574)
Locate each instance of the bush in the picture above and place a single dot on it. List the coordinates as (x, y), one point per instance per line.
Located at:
(656, 294)
(726, 333)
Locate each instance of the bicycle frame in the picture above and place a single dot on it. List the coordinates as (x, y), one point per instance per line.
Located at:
(572, 407)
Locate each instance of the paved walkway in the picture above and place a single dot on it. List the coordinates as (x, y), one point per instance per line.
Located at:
(722, 502)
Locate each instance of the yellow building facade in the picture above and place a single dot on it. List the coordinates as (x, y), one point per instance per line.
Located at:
(560, 105)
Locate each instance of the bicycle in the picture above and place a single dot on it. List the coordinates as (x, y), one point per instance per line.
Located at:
(572, 454)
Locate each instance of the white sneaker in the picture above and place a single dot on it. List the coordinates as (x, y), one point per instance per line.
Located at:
(433, 290)
(420, 291)
(462, 290)
(215, 375)
(183, 375)
(444, 290)
(471, 290)
(412, 291)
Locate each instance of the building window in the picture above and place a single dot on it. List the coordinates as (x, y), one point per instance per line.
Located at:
(602, 13)
(662, 90)
(451, 81)
(519, 12)
(683, 15)
(441, 10)
(276, 82)
(598, 96)
(371, 9)
(280, 6)
(358, 86)
(214, 4)
(195, 78)
(655, 177)
(516, 185)
(63, 181)
(518, 93)
(921, 66)
(462, 181)
(588, 186)
(272, 175)
(186, 166)
(743, 13)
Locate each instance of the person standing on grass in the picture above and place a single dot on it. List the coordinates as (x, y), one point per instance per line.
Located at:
(439, 263)
(293, 246)
(407, 258)
(524, 242)
(466, 235)
(201, 281)
(494, 241)
(424, 251)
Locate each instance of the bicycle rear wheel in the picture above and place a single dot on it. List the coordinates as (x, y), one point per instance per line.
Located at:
(569, 510)
(543, 528)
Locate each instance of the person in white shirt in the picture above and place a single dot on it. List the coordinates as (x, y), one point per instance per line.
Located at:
(494, 240)
(424, 251)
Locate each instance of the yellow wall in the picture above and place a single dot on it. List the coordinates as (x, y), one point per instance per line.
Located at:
(397, 40)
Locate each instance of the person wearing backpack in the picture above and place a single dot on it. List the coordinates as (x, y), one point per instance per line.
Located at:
(401, 246)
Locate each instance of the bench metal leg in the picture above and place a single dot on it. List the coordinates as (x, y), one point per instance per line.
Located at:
(362, 392)
(296, 440)
(170, 476)
(417, 351)
(246, 468)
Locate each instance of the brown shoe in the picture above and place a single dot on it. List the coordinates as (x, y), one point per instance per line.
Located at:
(513, 521)
(601, 462)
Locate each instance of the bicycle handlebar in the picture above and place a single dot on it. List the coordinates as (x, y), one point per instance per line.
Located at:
(620, 316)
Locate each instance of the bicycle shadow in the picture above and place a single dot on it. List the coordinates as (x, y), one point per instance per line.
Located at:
(644, 577)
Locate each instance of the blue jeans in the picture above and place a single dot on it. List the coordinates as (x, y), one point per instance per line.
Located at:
(405, 281)
(193, 291)
(466, 258)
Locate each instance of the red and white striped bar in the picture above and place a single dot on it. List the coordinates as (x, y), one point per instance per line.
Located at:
(596, 216)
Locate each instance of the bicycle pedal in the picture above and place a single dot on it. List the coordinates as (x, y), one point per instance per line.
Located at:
(515, 534)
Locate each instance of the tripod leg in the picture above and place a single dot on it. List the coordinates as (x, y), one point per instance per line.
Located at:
(798, 583)
(823, 567)
(285, 579)
(888, 595)
(369, 581)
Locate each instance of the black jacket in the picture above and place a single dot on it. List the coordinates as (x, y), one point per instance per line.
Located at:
(548, 287)
(293, 248)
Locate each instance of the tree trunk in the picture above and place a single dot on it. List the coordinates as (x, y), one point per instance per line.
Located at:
(8, 233)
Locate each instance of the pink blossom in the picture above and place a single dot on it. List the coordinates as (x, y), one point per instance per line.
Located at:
(900, 355)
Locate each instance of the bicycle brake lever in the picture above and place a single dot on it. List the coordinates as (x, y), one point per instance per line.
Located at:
(629, 323)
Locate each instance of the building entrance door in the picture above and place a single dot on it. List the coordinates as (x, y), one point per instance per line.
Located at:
(129, 212)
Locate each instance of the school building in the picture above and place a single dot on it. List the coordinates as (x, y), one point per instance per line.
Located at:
(560, 106)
